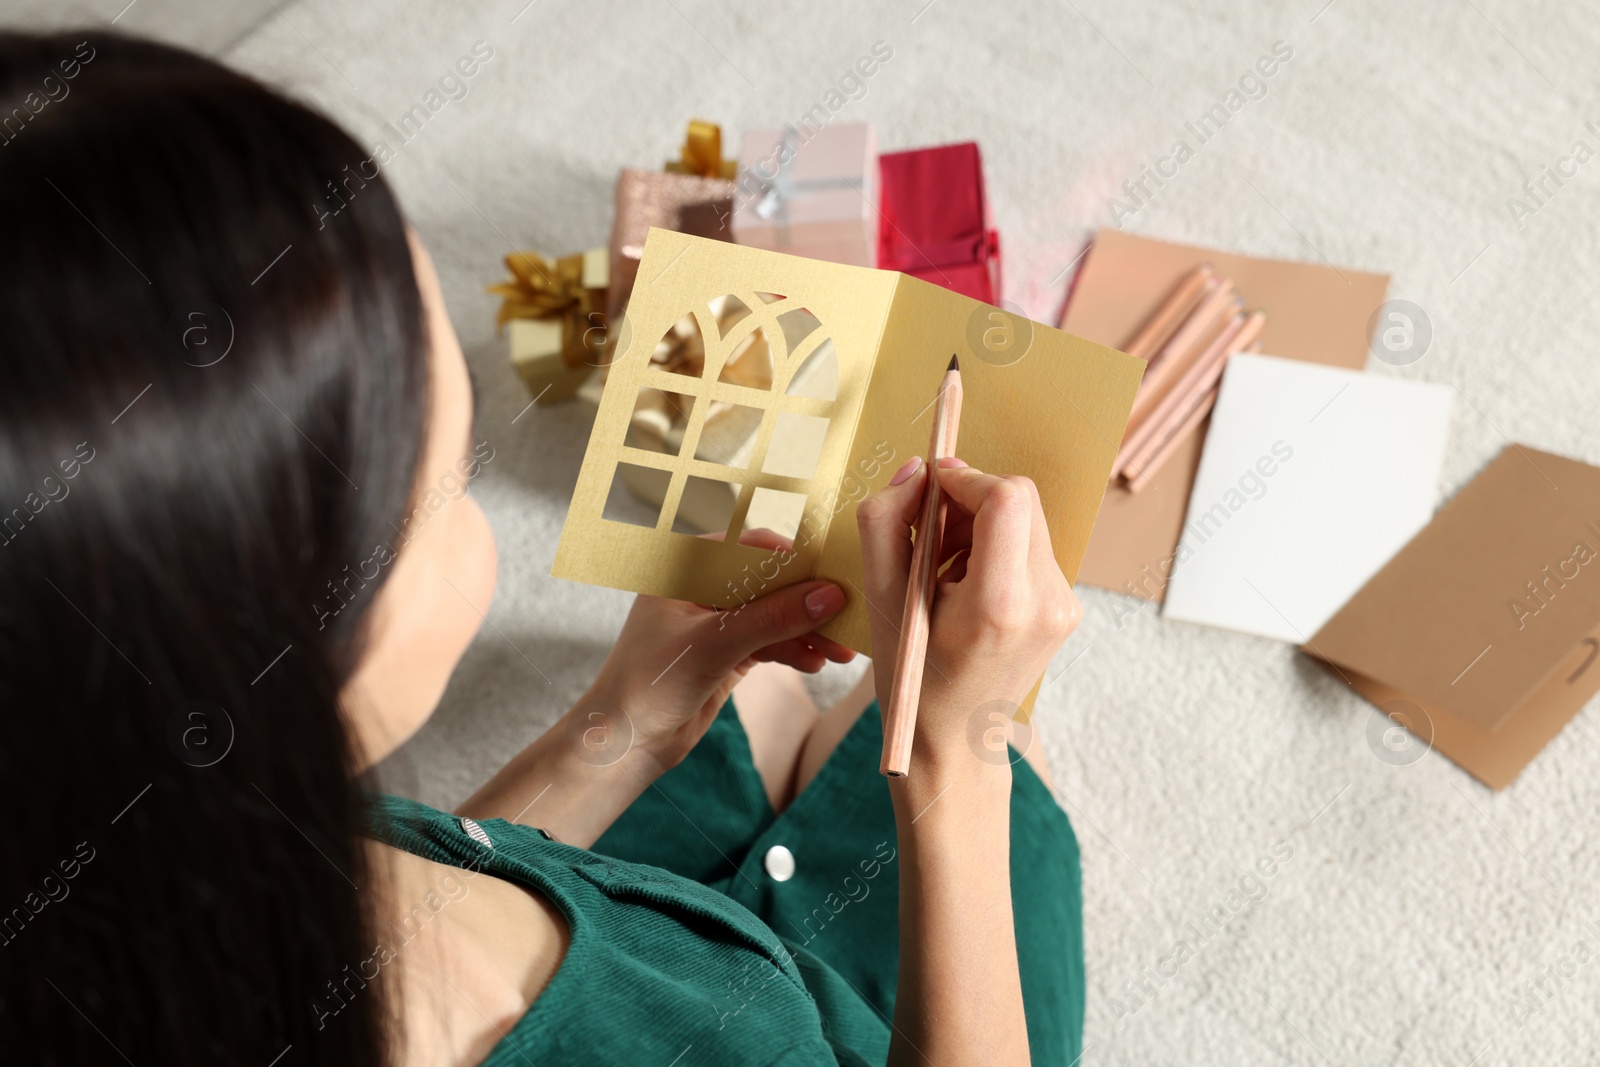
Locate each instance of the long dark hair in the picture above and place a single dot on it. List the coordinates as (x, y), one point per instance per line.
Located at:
(212, 400)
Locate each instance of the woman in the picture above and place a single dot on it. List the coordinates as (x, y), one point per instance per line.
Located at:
(232, 579)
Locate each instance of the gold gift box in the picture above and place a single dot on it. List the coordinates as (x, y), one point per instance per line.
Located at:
(542, 349)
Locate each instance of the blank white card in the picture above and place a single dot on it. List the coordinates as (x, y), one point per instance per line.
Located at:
(1311, 479)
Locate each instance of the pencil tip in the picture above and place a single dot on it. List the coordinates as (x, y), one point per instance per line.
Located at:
(955, 364)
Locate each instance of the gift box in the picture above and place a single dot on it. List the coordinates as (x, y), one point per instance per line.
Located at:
(729, 432)
(810, 194)
(934, 220)
(555, 316)
(687, 203)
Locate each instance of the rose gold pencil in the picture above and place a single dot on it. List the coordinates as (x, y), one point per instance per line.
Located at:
(1176, 355)
(1191, 421)
(1201, 376)
(1178, 352)
(900, 717)
(1184, 296)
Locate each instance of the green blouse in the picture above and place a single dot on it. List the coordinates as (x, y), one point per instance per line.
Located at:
(707, 930)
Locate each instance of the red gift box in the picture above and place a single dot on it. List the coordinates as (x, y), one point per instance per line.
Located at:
(934, 219)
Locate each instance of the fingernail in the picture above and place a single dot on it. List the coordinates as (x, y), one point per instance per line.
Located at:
(910, 467)
(952, 461)
(824, 601)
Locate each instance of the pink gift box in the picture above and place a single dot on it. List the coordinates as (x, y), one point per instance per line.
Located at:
(810, 192)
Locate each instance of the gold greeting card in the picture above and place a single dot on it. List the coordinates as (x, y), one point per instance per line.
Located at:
(755, 390)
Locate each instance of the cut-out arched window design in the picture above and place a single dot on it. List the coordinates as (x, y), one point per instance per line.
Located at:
(740, 394)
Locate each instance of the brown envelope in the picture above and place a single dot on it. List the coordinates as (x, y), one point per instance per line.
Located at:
(1316, 313)
(1481, 634)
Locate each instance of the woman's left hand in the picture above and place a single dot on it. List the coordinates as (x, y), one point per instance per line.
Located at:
(675, 663)
(655, 697)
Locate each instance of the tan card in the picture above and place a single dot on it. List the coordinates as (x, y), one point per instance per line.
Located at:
(1480, 636)
(857, 357)
(1315, 313)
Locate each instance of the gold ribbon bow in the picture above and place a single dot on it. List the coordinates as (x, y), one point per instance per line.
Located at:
(540, 289)
(702, 153)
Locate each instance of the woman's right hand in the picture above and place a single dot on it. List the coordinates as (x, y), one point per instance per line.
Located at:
(1000, 611)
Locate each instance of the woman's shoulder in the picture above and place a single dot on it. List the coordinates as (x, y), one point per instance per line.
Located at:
(653, 960)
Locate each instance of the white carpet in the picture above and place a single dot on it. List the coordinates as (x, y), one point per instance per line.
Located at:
(1417, 906)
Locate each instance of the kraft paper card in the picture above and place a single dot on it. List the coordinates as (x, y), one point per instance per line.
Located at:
(1481, 635)
(856, 360)
(1315, 313)
(1311, 479)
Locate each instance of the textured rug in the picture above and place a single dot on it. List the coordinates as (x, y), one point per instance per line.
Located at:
(1260, 887)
